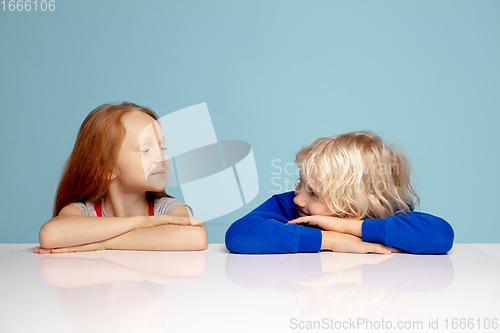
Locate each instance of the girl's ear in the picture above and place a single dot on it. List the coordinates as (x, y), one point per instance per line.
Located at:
(110, 176)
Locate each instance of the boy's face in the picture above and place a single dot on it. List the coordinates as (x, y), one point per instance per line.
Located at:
(308, 201)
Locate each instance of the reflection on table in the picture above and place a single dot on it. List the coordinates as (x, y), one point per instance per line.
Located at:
(119, 291)
(214, 291)
(343, 286)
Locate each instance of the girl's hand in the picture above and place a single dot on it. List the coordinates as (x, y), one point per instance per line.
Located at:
(329, 223)
(157, 220)
(337, 242)
(98, 246)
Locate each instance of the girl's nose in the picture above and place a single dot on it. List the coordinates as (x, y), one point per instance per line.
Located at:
(164, 156)
(160, 156)
(164, 159)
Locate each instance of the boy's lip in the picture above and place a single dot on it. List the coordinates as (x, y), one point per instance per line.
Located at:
(301, 212)
(158, 173)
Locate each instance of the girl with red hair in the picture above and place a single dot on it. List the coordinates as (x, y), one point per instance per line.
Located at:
(112, 190)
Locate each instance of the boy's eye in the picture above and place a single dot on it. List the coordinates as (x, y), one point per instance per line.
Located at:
(164, 148)
(144, 150)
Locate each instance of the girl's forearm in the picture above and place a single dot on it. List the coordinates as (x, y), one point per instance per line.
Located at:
(161, 238)
(64, 231)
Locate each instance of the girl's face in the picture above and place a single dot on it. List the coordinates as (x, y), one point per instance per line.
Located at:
(308, 201)
(142, 163)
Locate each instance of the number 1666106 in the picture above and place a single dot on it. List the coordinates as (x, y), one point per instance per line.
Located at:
(28, 5)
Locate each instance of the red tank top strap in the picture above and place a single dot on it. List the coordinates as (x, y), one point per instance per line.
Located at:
(151, 208)
(98, 208)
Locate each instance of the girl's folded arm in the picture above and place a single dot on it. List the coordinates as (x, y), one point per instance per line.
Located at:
(166, 235)
(414, 232)
(71, 228)
(163, 237)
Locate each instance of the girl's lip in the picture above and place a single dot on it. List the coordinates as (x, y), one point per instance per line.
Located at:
(158, 173)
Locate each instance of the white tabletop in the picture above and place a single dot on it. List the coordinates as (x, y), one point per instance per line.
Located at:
(214, 291)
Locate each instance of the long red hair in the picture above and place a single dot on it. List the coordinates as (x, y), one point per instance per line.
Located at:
(86, 173)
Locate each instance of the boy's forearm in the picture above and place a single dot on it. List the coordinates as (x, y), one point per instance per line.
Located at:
(161, 238)
(327, 240)
(413, 233)
(354, 227)
(338, 242)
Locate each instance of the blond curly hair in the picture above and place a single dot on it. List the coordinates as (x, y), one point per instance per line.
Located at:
(358, 176)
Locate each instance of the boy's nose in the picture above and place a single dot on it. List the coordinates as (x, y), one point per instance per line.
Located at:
(299, 199)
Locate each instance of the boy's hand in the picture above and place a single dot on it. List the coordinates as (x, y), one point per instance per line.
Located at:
(338, 242)
(157, 220)
(329, 223)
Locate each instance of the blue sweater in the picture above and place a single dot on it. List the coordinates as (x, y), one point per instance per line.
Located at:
(264, 230)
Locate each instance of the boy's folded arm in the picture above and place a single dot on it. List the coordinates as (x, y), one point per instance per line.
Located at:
(414, 232)
(264, 230)
(260, 233)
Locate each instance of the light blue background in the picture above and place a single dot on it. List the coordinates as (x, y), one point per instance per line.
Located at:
(277, 74)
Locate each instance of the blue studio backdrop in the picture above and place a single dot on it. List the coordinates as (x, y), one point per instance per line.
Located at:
(276, 74)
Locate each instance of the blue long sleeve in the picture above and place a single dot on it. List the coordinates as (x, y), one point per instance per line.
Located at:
(264, 230)
(414, 232)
